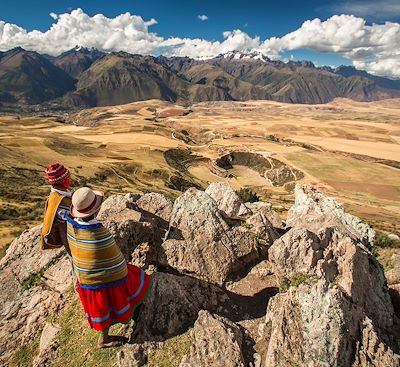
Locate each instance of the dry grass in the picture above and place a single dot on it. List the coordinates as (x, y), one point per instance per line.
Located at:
(172, 352)
(127, 143)
(78, 343)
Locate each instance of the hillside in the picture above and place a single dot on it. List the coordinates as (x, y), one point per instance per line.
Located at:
(77, 60)
(29, 78)
(110, 79)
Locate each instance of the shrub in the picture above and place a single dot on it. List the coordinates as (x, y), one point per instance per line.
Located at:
(384, 241)
(296, 280)
(248, 195)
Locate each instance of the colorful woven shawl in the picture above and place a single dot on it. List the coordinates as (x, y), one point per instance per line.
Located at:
(97, 259)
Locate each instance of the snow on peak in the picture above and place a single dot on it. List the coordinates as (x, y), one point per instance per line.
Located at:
(238, 55)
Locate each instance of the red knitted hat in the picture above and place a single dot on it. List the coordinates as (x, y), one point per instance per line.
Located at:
(56, 173)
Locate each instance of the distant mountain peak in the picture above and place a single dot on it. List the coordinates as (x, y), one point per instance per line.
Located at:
(239, 55)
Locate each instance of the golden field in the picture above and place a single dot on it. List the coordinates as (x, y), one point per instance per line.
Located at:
(350, 150)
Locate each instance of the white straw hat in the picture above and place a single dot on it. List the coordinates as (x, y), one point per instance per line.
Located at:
(85, 202)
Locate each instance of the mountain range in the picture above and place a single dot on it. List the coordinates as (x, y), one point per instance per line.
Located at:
(85, 77)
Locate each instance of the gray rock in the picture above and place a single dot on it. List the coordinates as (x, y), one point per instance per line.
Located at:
(310, 326)
(297, 251)
(262, 229)
(217, 342)
(315, 211)
(172, 306)
(202, 244)
(371, 351)
(48, 334)
(30, 289)
(321, 321)
(266, 210)
(131, 228)
(227, 200)
(156, 204)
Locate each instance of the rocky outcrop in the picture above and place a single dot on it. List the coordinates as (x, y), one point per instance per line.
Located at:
(336, 288)
(218, 272)
(156, 204)
(32, 287)
(265, 209)
(371, 351)
(227, 200)
(48, 346)
(201, 243)
(297, 251)
(308, 326)
(217, 342)
(133, 220)
(172, 306)
(315, 211)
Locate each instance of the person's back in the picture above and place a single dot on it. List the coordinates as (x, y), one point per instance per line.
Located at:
(110, 289)
(54, 230)
(97, 258)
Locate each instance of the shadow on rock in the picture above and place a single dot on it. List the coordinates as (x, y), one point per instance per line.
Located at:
(174, 302)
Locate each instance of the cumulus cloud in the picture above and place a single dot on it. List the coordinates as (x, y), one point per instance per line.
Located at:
(375, 48)
(125, 32)
(202, 17)
(200, 48)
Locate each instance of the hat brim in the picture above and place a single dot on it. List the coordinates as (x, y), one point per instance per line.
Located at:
(99, 200)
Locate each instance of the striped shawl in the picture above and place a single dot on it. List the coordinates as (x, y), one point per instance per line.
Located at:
(97, 259)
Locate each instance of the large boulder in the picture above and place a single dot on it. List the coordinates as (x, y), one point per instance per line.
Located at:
(265, 209)
(133, 227)
(172, 305)
(297, 251)
(217, 342)
(32, 287)
(201, 243)
(227, 200)
(359, 276)
(315, 211)
(309, 326)
(316, 325)
(335, 286)
(156, 204)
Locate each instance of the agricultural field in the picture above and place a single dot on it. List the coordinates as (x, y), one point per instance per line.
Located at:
(350, 150)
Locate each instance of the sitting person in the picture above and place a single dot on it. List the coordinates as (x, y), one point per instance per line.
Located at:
(110, 290)
(54, 230)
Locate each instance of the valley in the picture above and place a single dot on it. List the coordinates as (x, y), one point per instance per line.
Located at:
(349, 149)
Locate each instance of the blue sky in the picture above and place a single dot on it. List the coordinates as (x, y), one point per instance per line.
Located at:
(179, 18)
(175, 18)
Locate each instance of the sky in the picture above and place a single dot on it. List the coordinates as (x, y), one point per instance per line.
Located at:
(362, 33)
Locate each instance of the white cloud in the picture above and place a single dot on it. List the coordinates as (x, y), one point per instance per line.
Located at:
(125, 32)
(233, 40)
(375, 48)
(202, 17)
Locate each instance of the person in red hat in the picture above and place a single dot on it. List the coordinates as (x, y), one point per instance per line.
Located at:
(54, 230)
(110, 289)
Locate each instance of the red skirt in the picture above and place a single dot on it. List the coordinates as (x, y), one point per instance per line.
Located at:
(114, 304)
